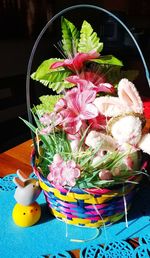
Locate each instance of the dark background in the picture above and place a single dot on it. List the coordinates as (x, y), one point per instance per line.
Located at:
(21, 22)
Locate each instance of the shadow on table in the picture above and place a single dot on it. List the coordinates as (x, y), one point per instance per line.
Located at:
(141, 201)
(139, 214)
(46, 216)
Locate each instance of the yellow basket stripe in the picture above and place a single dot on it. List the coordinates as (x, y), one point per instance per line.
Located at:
(98, 200)
(87, 222)
(69, 197)
(77, 221)
(80, 196)
(44, 186)
(87, 198)
(57, 214)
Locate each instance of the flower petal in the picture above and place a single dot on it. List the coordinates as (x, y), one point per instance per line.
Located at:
(57, 64)
(89, 112)
(76, 63)
(106, 87)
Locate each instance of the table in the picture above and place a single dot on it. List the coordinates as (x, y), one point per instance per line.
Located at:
(16, 158)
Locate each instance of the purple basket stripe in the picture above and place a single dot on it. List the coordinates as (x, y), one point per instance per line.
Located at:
(99, 206)
(71, 216)
(96, 218)
(102, 212)
(65, 204)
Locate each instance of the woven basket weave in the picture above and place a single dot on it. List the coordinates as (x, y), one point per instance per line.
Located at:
(87, 207)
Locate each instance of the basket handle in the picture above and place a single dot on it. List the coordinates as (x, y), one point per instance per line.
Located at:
(40, 36)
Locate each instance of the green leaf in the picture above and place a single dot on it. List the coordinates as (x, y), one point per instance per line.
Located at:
(57, 143)
(52, 78)
(60, 86)
(70, 37)
(44, 73)
(32, 127)
(108, 60)
(89, 41)
(47, 104)
(98, 183)
(44, 70)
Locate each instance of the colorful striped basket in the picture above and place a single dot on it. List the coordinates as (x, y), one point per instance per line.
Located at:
(87, 207)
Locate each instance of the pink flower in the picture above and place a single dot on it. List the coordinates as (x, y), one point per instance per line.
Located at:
(70, 173)
(61, 104)
(63, 172)
(79, 108)
(94, 77)
(50, 121)
(98, 123)
(91, 80)
(76, 63)
(46, 119)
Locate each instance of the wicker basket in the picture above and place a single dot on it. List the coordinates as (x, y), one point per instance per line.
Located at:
(84, 207)
(87, 207)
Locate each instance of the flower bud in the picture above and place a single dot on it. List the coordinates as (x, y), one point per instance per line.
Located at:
(105, 175)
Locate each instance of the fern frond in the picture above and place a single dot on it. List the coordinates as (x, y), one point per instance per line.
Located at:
(70, 37)
(89, 41)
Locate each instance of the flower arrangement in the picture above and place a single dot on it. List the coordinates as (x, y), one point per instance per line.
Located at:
(89, 133)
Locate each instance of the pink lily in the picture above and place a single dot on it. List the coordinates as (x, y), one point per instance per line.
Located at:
(79, 108)
(90, 80)
(60, 105)
(76, 63)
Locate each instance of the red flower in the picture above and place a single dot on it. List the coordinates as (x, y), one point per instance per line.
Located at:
(146, 105)
(91, 81)
(76, 63)
(98, 123)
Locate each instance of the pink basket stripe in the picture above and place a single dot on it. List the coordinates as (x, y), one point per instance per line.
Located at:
(65, 204)
(99, 206)
(97, 191)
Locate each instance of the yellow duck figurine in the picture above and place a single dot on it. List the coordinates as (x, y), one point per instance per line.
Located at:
(27, 211)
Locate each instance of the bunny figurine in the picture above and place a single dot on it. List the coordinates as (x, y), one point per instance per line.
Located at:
(28, 189)
(26, 211)
(124, 129)
(126, 116)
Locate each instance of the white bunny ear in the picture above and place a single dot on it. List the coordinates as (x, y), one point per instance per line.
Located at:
(110, 106)
(21, 175)
(129, 96)
(18, 182)
(128, 100)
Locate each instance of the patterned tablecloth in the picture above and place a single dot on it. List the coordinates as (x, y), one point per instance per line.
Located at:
(51, 236)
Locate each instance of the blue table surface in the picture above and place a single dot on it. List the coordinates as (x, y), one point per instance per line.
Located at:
(49, 234)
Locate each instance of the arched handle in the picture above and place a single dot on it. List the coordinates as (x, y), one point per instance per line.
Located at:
(46, 27)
